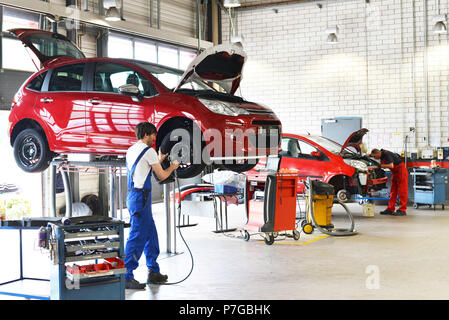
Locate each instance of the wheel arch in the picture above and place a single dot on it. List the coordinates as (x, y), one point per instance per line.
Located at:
(173, 123)
(27, 123)
(338, 181)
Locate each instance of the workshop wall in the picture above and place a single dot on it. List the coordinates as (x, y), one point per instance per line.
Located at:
(375, 71)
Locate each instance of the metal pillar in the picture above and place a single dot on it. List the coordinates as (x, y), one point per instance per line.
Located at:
(52, 190)
(120, 199)
(112, 209)
(171, 219)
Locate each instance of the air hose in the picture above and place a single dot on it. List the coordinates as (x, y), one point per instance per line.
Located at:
(336, 231)
(180, 233)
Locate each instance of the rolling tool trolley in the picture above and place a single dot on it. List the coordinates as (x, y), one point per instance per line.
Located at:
(73, 249)
(429, 185)
(271, 204)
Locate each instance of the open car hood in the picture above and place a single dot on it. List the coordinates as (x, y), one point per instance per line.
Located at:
(221, 64)
(354, 140)
(48, 46)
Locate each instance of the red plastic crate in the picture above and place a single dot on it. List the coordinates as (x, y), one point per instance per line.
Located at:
(115, 263)
(101, 267)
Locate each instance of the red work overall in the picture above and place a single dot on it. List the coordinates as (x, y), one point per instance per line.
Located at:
(399, 185)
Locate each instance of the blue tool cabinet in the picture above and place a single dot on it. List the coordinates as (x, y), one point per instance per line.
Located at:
(83, 244)
(429, 186)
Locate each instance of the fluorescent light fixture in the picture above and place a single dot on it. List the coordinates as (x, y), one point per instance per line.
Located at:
(231, 3)
(112, 14)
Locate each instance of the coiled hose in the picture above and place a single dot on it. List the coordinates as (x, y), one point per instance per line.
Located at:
(334, 232)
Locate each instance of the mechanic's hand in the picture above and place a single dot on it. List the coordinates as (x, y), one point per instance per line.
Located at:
(162, 156)
(174, 165)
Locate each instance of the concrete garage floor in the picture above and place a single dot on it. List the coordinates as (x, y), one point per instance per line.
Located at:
(391, 258)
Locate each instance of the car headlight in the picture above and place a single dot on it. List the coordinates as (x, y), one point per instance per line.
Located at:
(221, 107)
(359, 165)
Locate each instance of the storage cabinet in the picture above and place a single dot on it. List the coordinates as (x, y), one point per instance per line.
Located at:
(429, 185)
(87, 261)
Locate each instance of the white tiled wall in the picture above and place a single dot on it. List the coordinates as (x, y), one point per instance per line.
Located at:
(368, 73)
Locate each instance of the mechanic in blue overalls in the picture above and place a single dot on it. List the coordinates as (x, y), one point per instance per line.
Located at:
(141, 160)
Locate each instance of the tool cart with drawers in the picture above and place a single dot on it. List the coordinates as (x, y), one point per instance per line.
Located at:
(429, 186)
(87, 259)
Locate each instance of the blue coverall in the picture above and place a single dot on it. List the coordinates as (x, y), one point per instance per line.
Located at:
(143, 234)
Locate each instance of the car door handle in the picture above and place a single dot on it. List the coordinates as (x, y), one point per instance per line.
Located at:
(46, 100)
(94, 101)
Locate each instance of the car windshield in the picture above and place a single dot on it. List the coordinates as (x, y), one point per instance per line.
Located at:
(171, 77)
(330, 145)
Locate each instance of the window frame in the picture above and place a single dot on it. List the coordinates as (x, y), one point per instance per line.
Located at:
(157, 44)
(91, 68)
(34, 78)
(47, 80)
(305, 156)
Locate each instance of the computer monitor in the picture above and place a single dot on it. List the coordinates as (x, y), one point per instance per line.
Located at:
(273, 163)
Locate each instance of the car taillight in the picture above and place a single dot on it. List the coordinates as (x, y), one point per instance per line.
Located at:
(16, 99)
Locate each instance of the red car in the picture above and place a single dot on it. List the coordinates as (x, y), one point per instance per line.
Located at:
(79, 105)
(321, 158)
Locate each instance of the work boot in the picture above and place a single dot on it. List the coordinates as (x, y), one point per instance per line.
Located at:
(134, 284)
(399, 213)
(156, 278)
(386, 211)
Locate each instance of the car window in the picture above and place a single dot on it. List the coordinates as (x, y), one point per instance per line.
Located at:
(306, 149)
(294, 148)
(290, 148)
(110, 76)
(67, 78)
(36, 83)
(54, 45)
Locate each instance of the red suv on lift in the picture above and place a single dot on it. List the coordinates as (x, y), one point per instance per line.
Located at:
(320, 158)
(79, 105)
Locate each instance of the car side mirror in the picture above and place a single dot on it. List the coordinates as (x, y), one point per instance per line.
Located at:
(130, 90)
(316, 154)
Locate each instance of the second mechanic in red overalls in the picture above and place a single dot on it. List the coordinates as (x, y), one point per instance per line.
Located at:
(399, 180)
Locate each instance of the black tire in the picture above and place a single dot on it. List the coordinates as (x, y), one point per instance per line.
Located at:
(93, 203)
(246, 235)
(31, 151)
(185, 170)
